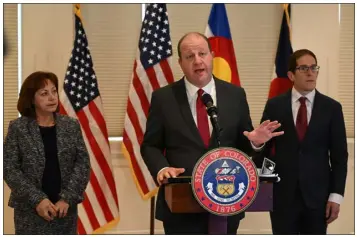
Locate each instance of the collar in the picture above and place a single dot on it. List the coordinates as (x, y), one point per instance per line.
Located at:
(192, 89)
(295, 95)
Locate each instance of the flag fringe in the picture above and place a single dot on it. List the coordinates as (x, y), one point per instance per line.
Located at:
(143, 196)
(106, 227)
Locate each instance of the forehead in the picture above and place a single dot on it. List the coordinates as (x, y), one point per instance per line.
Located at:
(47, 84)
(193, 41)
(306, 60)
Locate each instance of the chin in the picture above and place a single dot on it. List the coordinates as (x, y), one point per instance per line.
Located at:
(51, 110)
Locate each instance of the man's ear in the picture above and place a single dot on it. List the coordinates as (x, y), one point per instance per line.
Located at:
(291, 76)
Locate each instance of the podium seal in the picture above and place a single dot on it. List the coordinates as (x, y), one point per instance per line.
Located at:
(225, 181)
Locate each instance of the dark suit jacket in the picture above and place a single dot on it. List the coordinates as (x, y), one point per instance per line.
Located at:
(171, 127)
(24, 161)
(319, 163)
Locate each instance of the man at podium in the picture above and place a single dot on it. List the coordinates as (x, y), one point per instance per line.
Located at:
(178, 131)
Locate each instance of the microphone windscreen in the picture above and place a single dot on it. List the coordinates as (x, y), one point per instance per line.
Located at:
(206, 99)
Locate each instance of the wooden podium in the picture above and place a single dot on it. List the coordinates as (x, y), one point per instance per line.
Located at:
(180, 199)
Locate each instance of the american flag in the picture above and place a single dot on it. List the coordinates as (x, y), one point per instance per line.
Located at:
(80, 98)
(151, 71)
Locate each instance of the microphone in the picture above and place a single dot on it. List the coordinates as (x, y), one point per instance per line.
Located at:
(212, 111)
(208, 102)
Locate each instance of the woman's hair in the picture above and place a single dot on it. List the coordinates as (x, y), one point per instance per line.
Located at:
(34, 82)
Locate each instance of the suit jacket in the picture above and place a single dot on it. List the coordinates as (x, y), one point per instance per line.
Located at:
(318, 164)
(24, 161)
(171, 128)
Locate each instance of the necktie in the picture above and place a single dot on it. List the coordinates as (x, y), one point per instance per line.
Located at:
(202, 119)
(301, 119)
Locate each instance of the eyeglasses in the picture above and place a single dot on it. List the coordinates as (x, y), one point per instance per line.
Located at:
(305, 68)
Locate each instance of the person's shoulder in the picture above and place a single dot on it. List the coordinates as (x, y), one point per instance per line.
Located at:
(67, 120)
(326, 99)
(167, 89)
(18, 122)
(280, 98)
(229, 87)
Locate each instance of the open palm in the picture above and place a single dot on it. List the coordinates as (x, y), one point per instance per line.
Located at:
(264, 132)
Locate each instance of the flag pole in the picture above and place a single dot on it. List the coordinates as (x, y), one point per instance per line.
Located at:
(152, 215)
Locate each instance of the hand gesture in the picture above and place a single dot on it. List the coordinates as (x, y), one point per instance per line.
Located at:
(263, 133)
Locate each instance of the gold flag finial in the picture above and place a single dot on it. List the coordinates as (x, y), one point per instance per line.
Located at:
(77, 10)
(287, 15)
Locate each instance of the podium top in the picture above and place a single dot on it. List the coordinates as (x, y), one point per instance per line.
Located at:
(187, 179)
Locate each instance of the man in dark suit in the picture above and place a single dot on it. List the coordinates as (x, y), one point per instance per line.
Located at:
(178, 133)
(311, 156)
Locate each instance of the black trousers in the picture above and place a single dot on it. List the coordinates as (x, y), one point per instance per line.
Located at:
(195, 224)
(298, 219)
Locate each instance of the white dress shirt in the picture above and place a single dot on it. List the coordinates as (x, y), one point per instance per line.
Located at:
(191, 91)
(210, 88)
(295, 103)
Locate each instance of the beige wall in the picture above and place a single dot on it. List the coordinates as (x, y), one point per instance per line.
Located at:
(47, 38)
(47, 25)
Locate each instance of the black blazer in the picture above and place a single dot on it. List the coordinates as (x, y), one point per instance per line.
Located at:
(171, 128)
(319, 163)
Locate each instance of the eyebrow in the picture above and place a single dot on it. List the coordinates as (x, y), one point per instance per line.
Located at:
(307, 65)
(43, 89)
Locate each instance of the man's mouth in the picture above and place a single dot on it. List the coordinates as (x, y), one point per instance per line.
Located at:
(199, 71)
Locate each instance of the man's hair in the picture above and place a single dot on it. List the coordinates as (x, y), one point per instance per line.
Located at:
(190, 33)
(296, 55)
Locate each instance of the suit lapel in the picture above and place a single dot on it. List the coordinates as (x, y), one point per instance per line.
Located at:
(316, 115)
(290, 124)
(181, 96)
(34, 131)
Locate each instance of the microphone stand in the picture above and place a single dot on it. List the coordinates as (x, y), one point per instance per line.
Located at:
(214, 121)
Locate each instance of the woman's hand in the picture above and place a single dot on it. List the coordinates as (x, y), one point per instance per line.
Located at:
(62, 208)
(46, 209)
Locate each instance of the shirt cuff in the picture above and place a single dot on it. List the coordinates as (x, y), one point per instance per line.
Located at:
(257, 148)
(336, 198)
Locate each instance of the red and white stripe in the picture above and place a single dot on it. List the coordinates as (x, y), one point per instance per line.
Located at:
(143, 83)
(100, 206)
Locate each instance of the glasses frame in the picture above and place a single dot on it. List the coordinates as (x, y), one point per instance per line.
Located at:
(313, 68)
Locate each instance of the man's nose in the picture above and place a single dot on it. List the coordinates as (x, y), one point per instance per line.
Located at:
(310, 72)
(197, 59)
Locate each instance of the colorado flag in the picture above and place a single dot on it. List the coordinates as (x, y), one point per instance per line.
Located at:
(219, 35)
